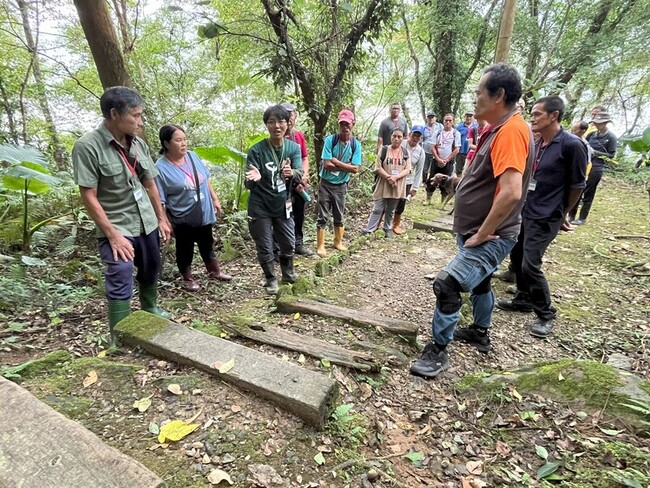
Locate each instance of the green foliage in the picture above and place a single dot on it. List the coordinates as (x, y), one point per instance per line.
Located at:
(345, 422)
(27, 173)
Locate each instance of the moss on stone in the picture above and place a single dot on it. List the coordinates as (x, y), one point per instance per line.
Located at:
(142, 325)
(211, 328)
(71, 406)
(588, 380)
(470, 381)
(302, 286)
(283, 291)
(35, 367)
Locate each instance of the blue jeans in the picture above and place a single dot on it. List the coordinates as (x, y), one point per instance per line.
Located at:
(470, 268)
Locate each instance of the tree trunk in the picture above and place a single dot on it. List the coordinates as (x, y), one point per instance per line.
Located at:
(505, 31)
(416, 65)
(32, 45)
(6, 104)
(100, 34)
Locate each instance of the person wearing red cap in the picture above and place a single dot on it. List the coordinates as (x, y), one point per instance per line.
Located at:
(341, 157)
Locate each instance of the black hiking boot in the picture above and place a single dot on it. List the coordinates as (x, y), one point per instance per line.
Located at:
(432, 362)
(474, 335)
(519, 303)
(541, 328)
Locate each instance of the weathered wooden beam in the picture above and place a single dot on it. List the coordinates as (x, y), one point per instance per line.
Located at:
(443, 223)
(276, 336)
(407, 330)
(40, 448)
(307, 394)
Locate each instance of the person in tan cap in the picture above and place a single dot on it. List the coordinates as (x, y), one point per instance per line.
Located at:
(341, 157)
(603, 144)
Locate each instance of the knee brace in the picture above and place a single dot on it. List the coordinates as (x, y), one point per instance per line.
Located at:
(484, 286)
(447, 291)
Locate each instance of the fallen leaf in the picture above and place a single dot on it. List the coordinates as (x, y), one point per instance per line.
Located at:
(610, 431)
(175, 431)
(503, 448)
(301, 359)
(547, 469)
(414, 456)
(541, 452)
(326, 363)
(560, 377)
(153, 428)
(143, 404)
(90, 379)
(235, 408)
(366, 391)
(464, 483)
(319, 458)
(296, 316)
(175, 389)
(478, 483)
(216, 476)
(516, 394)
(474, 467)
(102, 354)
(227, 366)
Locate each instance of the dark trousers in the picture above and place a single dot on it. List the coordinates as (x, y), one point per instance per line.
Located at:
(298, 204)
(119, 274)
(331, 200)
(448, 169)
(526, 257)
(594, 178)
(186, 236)
(402, 202)
(428, 161)
(265, 229)
(460, 163)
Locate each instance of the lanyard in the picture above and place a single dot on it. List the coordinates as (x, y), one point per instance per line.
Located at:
(540, 154)
(190, 175)
(275, 156)
(121, 152)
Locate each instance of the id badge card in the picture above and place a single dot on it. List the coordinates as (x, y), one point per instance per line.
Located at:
(288, 208)
(138, 193)
(394, 172)
(281, 187)
(532, 185)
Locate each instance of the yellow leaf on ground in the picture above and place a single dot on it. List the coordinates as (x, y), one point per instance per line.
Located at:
(143, 404)
(227, 366)
(517, 395)
(102, 354)
(175, 389)
(90, 379)
(560, 377)
(216, 476)
(296, 316)
(175, 431)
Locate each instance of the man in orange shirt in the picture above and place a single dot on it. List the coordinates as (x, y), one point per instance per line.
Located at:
(487, 218)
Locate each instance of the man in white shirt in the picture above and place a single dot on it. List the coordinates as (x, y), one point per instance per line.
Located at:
(444, 152)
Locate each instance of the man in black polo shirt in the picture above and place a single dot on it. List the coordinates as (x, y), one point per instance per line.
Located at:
(557, 181)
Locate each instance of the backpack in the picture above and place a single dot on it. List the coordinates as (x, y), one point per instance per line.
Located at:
(454, 131)
(353, 144)
(384, 153)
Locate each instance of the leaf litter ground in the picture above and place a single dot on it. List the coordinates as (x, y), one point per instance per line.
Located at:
(390, 429)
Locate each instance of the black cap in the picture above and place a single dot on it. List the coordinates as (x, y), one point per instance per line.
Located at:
(431, 113)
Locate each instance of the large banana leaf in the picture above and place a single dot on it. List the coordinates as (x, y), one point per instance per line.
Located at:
(38, 178)
(19, 154)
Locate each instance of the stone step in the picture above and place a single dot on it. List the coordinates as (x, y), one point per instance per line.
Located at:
(443, 223)
(307, 394)
(40, 448)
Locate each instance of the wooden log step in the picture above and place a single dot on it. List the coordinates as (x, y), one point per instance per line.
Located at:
(41, 448)
(307, 394)
(277, 336)
(407, 330)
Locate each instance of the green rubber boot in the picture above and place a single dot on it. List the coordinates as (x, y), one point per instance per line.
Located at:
(149, 300)
(117, 310)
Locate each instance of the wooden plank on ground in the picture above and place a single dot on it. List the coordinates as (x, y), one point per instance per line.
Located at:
(307, 394)
(395, 326)
(276, 336)
(40, 448)
(443, 223)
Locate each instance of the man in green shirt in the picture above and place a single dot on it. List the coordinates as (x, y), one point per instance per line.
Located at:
(116, 175)
(274, 166)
